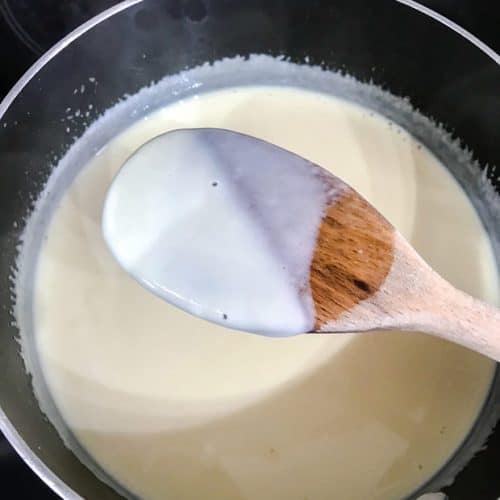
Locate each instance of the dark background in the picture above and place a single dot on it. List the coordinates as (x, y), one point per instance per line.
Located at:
(29, 27)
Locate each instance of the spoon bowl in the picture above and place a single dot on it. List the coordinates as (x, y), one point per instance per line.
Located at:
(251, 236)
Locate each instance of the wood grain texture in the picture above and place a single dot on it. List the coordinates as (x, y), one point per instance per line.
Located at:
(352, 257)
(402, 291)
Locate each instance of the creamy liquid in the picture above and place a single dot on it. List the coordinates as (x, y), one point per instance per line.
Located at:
(176, 408)
(221, 225)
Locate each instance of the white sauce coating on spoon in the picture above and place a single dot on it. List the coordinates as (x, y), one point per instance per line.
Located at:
(222, 225)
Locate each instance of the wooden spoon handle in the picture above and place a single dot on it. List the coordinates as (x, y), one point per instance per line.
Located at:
(414, 297)
(435, 306)
(460, 318)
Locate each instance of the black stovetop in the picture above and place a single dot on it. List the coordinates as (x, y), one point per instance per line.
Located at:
(29, 27)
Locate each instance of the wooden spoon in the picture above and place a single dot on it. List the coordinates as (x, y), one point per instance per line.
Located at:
(360, 273)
